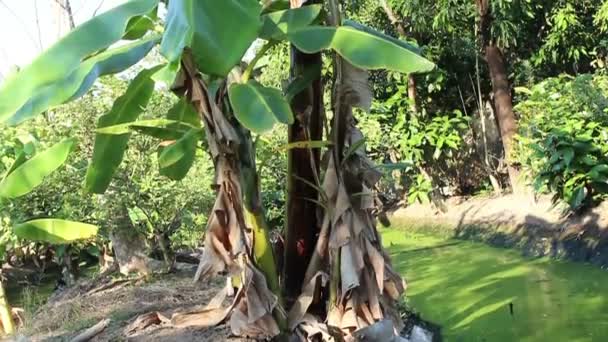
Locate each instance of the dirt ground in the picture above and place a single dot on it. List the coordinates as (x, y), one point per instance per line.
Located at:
(521, 221)
(70, 313)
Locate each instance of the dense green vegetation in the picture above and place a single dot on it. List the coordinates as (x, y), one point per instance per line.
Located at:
(328, 120)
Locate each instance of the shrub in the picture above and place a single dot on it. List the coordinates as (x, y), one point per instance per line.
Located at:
(563, 138)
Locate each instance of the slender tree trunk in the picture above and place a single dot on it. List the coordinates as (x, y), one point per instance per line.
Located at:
(68, 10)
(412, 93)
(411, 80)
(67, 7)
(303, 169)
(501, 88)
(6, 316)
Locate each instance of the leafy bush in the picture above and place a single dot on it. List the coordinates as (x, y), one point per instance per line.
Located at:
(167, 204)
(563, 138)
(397, 135)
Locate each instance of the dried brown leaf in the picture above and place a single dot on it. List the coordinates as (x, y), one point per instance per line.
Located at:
(349, 319)
(299, 308)
(144, 321)
(349, 274)
(357, 90)
(377, 262)
(340, 235)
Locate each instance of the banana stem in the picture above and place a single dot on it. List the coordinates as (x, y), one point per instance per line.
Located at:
(264, 258)
(247, 73)
(6, 316)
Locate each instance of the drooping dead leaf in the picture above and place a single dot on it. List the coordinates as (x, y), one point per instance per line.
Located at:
(349, 318)
(357, 90)
(349, 274)
(313, 328)
(298, 310)
(377, 262)
(204, 318)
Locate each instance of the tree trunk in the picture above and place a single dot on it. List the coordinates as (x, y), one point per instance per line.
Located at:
(501, 88)
(302, 227)
(411, 80)
(68, 10)
(412, 94)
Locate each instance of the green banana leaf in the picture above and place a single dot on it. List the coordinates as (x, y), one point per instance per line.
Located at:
(54, 231)
(276, 25)
(362, 47)
(217, 32)
(60, 60)
(32, 172)
(82, 78)
(257, 107)
(184, 147)
(109, 149)
(183, 111)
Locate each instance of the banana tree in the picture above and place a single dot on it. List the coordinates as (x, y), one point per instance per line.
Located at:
(347, 286)
(28, 171)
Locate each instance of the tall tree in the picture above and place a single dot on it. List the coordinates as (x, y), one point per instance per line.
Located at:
(411, 79)
(67, 8)
(501, 86)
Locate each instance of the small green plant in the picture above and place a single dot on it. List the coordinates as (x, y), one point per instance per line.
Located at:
(420, 190)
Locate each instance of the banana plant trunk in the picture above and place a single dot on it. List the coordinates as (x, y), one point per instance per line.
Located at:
(302, 226)
(6, 316)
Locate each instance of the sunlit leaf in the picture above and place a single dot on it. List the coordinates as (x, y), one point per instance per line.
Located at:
(277, 24)
(362, 47)
(32, 172)
(168, 73)
(217, 32)
(109, 149)
(181, 148)
(54, 231)
(61, 60)
(131, 126)
(140, 25)
(176, 159)
(577, 198)
(20, 159)
(257, 107)
(307, 144)
(82, 78)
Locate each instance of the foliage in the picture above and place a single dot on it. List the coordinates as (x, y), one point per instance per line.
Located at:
(395, 134)
(572, 36)
(138, 184)
(563, 139)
